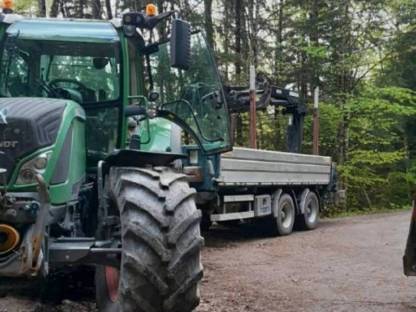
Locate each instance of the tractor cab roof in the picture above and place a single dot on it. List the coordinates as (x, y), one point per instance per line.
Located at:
(64, 30)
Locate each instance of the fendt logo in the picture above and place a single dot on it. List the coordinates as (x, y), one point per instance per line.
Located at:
(3, 116)
(8, 144)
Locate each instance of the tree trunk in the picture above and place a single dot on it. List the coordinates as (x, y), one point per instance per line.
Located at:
(278, 68)
(252, 29)
(54, 8)
(226, 29)
(314, 38)
(96, 9)
(79, 10)
(209, 27)
(238, 34)
(109, 9)
(239, 130)
(42, 8)
(343, 82)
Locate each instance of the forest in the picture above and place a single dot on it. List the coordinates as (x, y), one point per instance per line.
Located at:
(361, 55)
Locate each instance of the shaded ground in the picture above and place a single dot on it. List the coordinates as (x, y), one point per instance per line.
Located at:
(349, 264)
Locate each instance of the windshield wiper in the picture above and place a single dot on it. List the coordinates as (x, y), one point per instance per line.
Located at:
(191, 110)
(50, 91)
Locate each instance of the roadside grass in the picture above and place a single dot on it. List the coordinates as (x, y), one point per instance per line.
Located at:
(330, 213)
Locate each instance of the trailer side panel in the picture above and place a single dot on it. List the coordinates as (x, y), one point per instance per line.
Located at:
(245, 166)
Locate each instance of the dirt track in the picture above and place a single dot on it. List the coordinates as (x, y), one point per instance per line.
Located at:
(350, 264)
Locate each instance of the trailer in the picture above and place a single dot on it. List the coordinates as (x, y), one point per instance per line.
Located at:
(278, 187)
(248, 184)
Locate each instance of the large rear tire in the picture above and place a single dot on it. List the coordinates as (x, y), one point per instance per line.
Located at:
(161, 243)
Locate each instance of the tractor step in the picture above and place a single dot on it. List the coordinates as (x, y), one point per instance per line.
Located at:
(86, 250)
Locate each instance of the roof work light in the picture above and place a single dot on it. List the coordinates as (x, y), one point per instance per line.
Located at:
(151, 9)
(7, 6)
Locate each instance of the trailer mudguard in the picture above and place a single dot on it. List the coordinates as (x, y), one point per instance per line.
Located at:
(275, 201)
(303, 199)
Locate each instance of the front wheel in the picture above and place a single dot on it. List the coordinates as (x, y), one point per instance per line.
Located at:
(161, 243)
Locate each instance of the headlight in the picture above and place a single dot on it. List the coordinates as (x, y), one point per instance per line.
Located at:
(32, 167)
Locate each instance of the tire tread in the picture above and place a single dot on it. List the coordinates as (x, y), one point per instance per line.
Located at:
(171, 269)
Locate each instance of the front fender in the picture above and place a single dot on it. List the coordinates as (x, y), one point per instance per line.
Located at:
(136, 158)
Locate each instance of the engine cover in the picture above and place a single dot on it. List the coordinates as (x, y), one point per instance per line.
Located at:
(26, 125)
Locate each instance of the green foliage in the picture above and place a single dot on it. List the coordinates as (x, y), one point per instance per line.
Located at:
(25, 6)
(330, 117)
(377, 171)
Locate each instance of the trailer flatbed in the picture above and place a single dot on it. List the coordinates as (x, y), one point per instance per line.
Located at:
(250, 167)
(255, 184)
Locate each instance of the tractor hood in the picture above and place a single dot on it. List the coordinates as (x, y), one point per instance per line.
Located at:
(26, 125)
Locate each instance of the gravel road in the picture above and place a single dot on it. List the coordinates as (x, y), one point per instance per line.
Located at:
(348, 264)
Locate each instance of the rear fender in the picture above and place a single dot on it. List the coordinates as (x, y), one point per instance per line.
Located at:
(303, 200)
(275, 201)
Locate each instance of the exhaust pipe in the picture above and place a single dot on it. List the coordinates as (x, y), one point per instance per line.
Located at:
(9, 239)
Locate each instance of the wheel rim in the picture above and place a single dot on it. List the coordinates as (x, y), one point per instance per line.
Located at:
(286, 215)
(312, 210)
(112, 279)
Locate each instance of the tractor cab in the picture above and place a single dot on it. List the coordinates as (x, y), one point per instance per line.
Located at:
(106, 68)
(78, 62)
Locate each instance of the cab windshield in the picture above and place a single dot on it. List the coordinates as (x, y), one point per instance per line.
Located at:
(85, 72)
(195, 95)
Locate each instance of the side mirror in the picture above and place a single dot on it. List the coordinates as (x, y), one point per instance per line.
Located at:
(180, 44)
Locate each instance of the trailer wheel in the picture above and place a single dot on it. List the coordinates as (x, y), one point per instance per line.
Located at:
(310, 218)
(282, 223)
(161, 243)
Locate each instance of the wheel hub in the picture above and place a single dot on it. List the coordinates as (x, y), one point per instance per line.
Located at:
(112, 277)
(311, 212)
(286, 216)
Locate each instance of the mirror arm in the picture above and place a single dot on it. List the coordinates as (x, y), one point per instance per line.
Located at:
(149, 71)
(134, 111)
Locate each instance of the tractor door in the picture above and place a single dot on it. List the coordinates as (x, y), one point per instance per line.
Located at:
(193, 98)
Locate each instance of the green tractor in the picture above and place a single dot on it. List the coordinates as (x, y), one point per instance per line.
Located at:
(95, 117)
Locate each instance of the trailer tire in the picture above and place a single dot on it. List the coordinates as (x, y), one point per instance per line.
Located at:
(309, 219)
(282, 223)
(161, 242)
